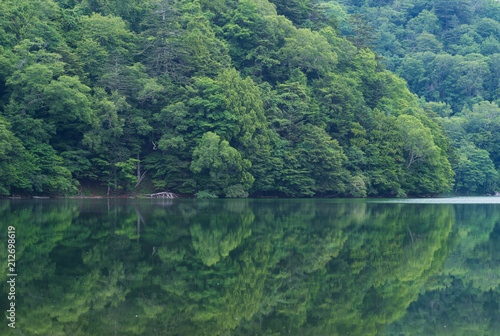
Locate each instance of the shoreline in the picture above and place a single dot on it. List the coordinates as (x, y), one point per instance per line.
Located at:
(177, 196)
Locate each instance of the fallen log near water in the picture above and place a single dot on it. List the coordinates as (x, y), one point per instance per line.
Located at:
(164, 194)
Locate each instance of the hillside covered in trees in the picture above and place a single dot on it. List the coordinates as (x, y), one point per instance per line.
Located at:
(251, 97)
(449, 53)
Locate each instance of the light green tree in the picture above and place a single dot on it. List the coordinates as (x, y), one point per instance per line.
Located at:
(224, 165)
(417, 140)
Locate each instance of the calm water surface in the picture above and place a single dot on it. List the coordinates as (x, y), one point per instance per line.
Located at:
(254, 267)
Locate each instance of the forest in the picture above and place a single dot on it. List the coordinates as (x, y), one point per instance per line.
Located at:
(301, 98)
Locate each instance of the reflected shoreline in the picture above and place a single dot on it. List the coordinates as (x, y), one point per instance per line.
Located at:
(249, 266)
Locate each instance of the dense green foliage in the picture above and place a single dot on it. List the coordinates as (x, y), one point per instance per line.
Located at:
(448, 51)
(229, 98)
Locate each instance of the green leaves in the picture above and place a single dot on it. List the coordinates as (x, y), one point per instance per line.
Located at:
(16, 165)
(232, 98)
(417, 140)
(308, 51)
(475, 171)
(325, 160)
(224, 165)
(68, 98)
(474, 134)
(109, 31)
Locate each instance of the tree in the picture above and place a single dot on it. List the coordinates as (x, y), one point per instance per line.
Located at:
(426, 21)
(310, 52)
(490, 46)
(296, 10)
(427, 42)
(482, 127)
(224, 165)
(15, 164)
(362, 31)
(164, 55)
(325, 160)
(107, 142)
(475, 170)
(417, 140)
(208, 55)
(473, 70)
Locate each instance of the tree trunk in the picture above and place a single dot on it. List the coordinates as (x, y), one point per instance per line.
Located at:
(138, 167)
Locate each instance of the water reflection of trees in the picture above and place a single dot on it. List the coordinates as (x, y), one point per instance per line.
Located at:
(464, 297)
(239, 267)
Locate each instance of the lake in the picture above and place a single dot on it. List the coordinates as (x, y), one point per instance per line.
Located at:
(252, 267)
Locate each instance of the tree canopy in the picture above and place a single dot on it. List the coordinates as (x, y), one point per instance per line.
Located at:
(92, 93)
